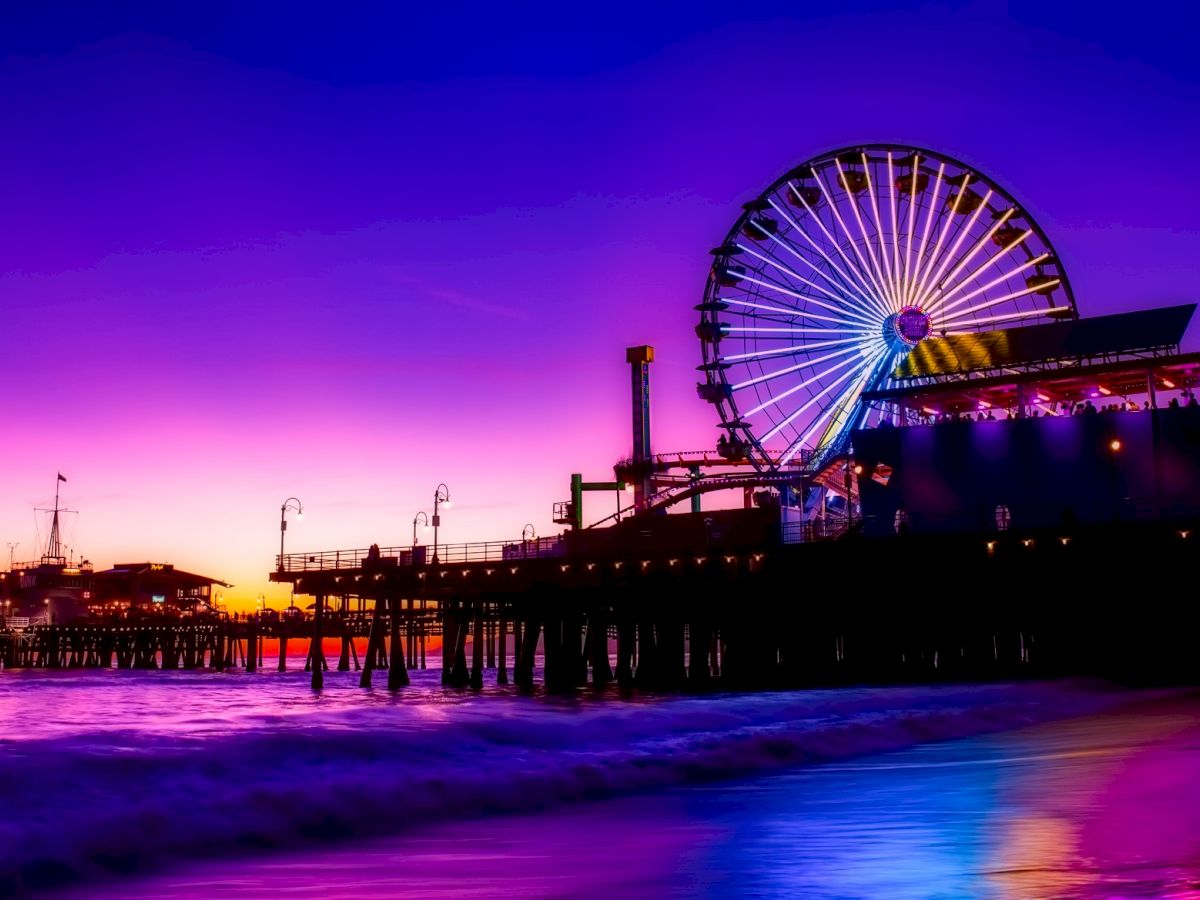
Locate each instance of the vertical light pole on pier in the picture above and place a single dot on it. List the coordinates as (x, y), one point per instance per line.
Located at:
(421, 518)
(291, 503)
(441, 497)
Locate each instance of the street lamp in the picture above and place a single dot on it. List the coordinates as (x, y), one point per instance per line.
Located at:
(528, 533)
(295, 505)
(441, 497)
(11, 548)
(421, 519)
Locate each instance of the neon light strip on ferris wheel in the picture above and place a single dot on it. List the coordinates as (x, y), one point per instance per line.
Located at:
(979, 244)
(807, 364)
(867, 361)
(935, 251)
(941, 302)
(1013, 296)
(778, 265)
(863, 270)
(963, 233)
(802, 348)
(803, 384)
(883, 255)
(867, 292)
(875, 271)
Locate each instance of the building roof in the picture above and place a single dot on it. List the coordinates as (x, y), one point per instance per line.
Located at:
(1100, 337)
(1117, 379)
(156, 570)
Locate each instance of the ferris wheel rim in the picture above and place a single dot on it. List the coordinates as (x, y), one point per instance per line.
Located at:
(907, 329)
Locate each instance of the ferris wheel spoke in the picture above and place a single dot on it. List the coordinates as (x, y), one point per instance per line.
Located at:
(748, 317)
(863, 371)
(847, 294)
(778, 310)
(779, 351)
(812, 401)
(947, 220)
(940, 301)
(843, 310)
(1015, 295)
(979, 244)
(1006, 317)
(872, 264)
(782, 330)
(915, 281)
(807, 364)
(889, 275)
(960, 237)
(855, 285)
(892, 194)
(803, 384)
(798, 296)
(908, 238)
(861, 269)
(1003, 277)
(846, 404)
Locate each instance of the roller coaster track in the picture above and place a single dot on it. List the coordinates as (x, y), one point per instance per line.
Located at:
(674, 489)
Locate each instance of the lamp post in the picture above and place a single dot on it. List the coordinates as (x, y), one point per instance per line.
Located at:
(11, 547)
(1114, 446)
(441, 497)
(420, 518)
(527, 534)
(295, 505)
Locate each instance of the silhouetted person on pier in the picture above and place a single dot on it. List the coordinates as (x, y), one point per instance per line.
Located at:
(373, 552)
(1174, 404)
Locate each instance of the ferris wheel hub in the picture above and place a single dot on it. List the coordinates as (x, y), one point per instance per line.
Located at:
(908, 327)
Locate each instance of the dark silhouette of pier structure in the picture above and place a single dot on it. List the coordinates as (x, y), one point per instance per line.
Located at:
(962, 548)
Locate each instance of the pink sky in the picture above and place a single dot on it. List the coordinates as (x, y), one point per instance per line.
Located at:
(226, 283)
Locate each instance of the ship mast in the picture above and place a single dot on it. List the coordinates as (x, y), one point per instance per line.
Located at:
(54, 554)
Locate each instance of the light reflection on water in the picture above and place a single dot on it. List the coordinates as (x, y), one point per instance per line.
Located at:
(1106, 806)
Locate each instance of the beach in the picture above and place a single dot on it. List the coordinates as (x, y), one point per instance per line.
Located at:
(183, 784)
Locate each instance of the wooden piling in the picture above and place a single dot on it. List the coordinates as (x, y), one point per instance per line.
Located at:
(397, 672)
(316, 653)
(477, 648)
(501, 650)
(252, 646)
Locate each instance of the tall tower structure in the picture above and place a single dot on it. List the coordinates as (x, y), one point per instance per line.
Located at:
(639, 359)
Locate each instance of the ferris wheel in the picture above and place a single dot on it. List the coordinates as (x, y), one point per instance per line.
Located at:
(835, 272)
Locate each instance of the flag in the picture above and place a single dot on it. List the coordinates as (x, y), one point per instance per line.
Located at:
(60, 477)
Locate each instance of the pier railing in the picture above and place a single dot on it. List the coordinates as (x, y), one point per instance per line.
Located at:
(421, 554)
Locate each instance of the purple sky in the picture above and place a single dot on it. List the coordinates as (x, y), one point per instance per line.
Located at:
(232, 275)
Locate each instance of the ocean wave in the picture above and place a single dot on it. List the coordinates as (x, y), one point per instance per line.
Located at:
(103, 802)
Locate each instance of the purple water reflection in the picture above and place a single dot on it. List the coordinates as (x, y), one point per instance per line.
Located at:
(180, 785)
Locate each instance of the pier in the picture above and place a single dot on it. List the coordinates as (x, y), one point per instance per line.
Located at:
(641, 611)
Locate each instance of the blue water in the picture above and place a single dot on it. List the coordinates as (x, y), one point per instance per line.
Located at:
(180, 784)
